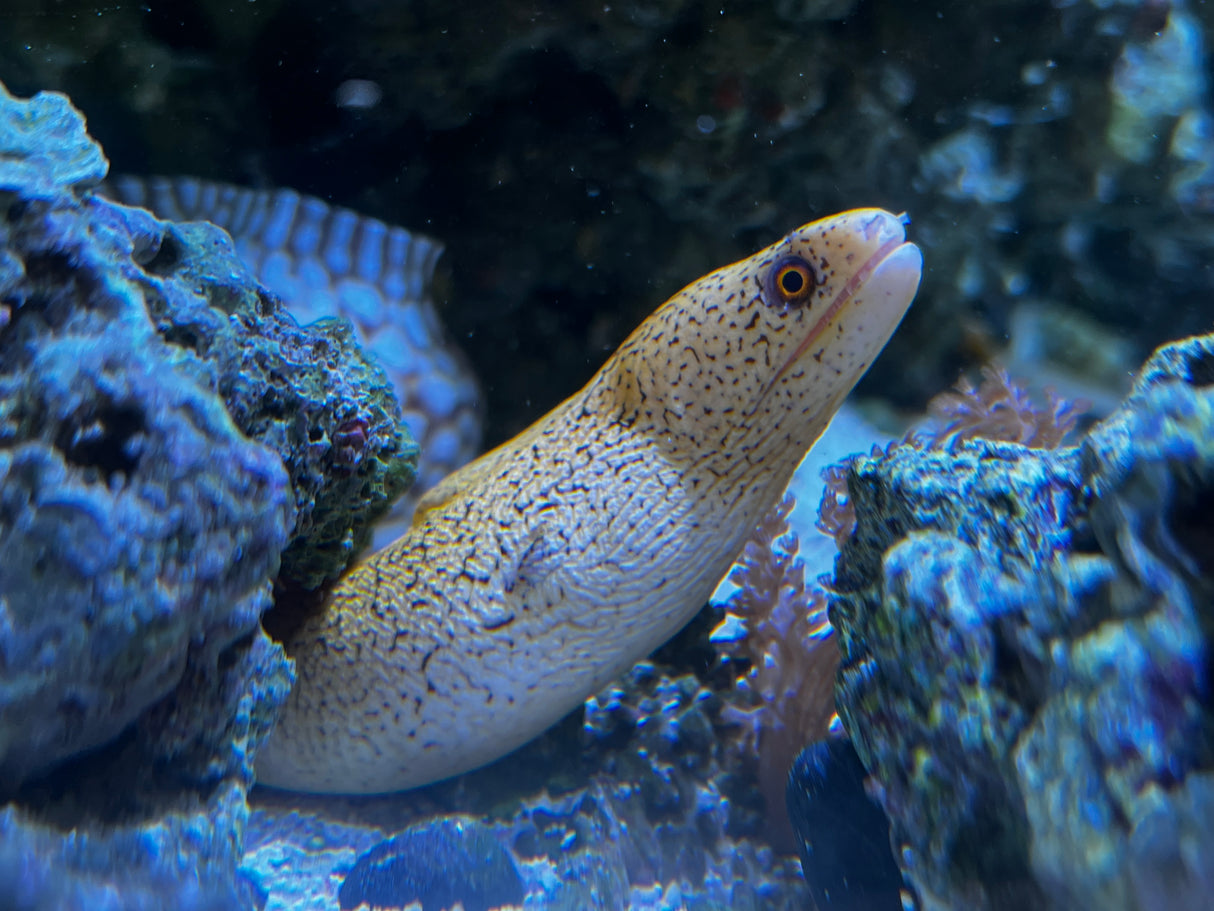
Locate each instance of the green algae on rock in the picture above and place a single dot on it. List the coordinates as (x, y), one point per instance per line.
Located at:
(308, 392)
(326, 261)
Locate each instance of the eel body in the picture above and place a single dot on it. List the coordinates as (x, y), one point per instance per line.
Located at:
(536, 574)
(327, 261)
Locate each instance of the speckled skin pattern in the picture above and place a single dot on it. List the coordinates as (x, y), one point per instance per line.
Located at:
(327, 261)
(533, 576)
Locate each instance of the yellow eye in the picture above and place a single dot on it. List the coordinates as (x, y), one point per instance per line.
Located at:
(790, 282)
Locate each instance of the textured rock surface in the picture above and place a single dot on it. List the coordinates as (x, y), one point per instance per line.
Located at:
(435, 864)
(157, 819)
(45, 149)
(324, 261)
(1025, 636)
(142, 529)
(307, 392)
(136, 521)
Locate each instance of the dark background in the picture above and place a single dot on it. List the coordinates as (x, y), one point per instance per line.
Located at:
(584, 160)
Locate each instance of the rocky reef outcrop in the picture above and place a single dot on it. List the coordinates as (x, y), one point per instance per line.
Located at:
(171, 444)
(1026, 637)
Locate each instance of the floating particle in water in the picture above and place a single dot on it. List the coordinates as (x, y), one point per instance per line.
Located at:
(358, 94)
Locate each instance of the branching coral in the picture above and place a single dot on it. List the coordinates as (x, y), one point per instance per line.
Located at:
(836, 517)
(786, 693)
(998, 409)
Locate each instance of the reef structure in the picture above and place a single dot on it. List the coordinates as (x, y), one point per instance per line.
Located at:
(171, 444)
(1025, 639)
(324, 261)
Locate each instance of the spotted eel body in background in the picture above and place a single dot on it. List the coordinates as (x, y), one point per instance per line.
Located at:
(327, 261)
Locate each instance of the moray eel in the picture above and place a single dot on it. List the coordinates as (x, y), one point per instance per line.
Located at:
(326, 261)
(534, 575)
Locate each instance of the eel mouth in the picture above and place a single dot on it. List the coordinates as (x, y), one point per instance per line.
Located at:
(889, 278)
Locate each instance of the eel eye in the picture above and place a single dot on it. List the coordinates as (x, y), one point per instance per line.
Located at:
(789, 283)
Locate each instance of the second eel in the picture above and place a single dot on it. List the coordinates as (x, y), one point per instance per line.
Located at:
(533, 576)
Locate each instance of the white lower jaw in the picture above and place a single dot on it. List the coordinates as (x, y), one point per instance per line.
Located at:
(890, 288)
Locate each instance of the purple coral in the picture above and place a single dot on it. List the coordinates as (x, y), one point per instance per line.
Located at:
(998, 409)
